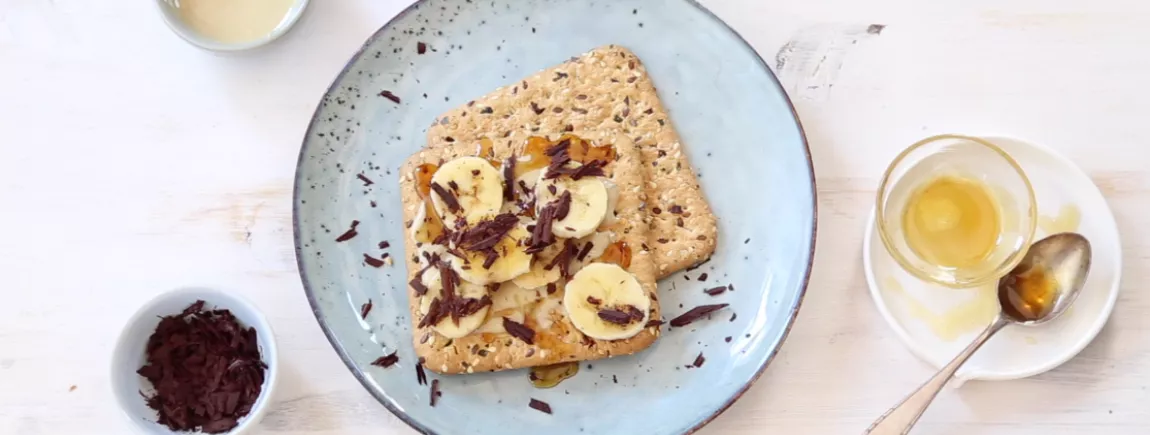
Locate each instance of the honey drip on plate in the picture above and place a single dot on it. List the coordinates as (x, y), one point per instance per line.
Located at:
(949, 324)
(1030, 295)
(1067, 220)
(617, 253)
(551, 375)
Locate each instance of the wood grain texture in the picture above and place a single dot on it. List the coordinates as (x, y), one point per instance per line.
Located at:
(134, 163)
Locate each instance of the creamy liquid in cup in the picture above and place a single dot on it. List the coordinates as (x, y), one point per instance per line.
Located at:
(233, 21)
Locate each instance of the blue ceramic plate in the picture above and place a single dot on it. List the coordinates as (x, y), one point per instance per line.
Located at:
(738, 128)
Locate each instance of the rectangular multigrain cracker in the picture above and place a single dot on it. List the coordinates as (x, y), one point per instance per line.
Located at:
(604, 90)
(491, 347)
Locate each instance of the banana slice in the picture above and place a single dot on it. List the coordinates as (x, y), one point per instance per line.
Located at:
(447, 326)
(543, 313)
(612, 201)
(601, 291)
(512, 261)
(474, 188)
(539, 275)
(599, 241)
(494, 323)
(511, 296)
(589, 201)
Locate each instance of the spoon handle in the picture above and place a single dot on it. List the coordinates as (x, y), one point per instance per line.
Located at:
(899, 420)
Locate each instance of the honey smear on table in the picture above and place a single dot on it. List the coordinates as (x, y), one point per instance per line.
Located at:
(952, 222)
(233, 21)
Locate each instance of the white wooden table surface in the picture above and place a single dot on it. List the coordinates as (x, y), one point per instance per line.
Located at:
(132, 163)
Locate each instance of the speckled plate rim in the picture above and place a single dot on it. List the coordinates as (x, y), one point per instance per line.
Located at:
(387, 401)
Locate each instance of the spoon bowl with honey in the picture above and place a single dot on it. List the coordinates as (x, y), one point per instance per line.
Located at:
(1037, 290)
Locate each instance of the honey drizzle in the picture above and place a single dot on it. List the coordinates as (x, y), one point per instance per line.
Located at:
(617, 253)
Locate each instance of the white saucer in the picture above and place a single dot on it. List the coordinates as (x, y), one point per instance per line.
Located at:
(937, 322)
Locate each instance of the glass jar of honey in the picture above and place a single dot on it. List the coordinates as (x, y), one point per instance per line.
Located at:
(956, 210)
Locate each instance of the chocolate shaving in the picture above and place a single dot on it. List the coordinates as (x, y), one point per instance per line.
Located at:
(347, 235)
(586, 249)
(593, 300)
(390, 96)
(386, 361)
(417, 285)
(541, 236)
(624, 316)
(716, 291)
(676, 209)
(728, 339)
(695, 314)
(384, 245)
(366, 181)
(540, 406)
(372, 261)
(699, 360)
(703, 277)
(733, 317)
(420, 48)
(420, 375)
(519, 330)
(486, 235)
(653, 322)
(509, 179)
(453, 186)
(491, 257)
(448, 197)
(563, 258)
(364, 309)
(563, 205)
(434, 391)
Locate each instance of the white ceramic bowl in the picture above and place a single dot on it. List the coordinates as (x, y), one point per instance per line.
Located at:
(167, 10)
(128, 356)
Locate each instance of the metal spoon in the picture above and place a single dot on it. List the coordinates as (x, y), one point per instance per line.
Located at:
(1039, 289)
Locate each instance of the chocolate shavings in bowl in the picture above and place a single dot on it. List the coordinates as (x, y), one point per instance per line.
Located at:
(540, 406)
(519, 330)
(695, 314)
(206, 370)
(386, 361)
(347, 235)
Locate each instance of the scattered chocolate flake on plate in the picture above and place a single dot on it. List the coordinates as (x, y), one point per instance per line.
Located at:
(384, 245)
(420, 48)
(364, 309)
(421, 376)
(366, 181)
(733, 316)
(728, 339)
(703, 277)
(434, 391)
(390, 96)
(614, 379)
(540, 406)
(699, 360)
(347, 235)
(372, 261)
(72, 388)
(716, 291)
(386, 361)
(695, 314)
